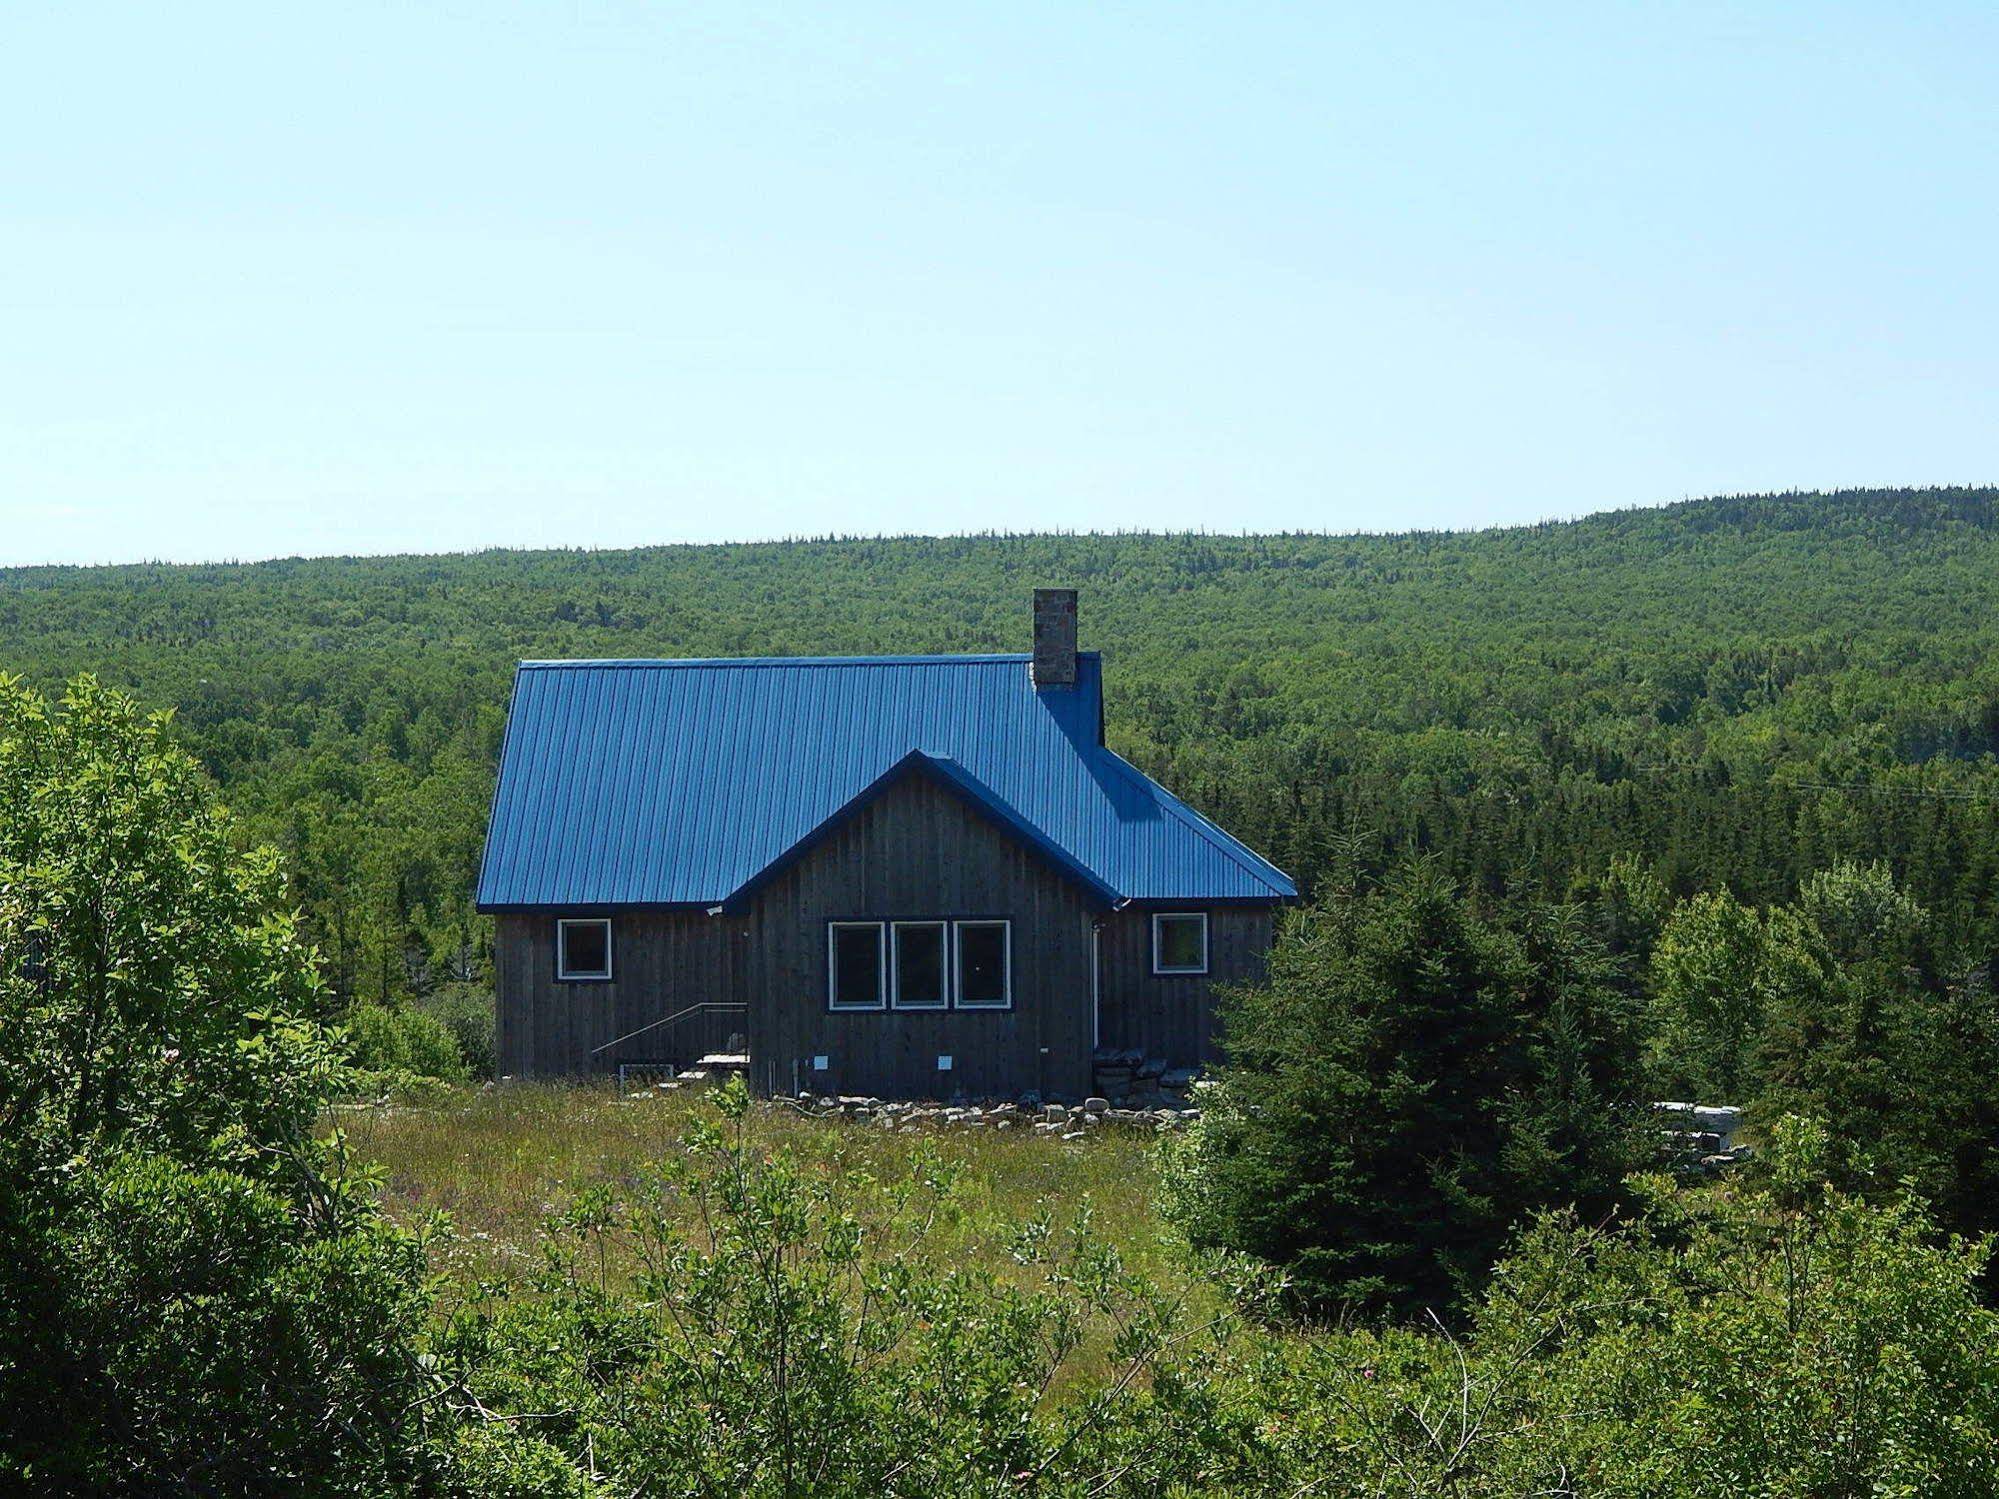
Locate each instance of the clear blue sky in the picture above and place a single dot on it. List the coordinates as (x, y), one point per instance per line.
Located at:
(366, 278)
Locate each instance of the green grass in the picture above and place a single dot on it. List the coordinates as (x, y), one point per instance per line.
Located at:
(499, 1159)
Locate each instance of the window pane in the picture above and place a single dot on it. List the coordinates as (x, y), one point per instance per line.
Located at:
(919, 965)
(586, 949)
(1183, 942)
(857, 965)
(982, 963)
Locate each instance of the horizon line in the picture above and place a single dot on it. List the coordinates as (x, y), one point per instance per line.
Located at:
(838, 538)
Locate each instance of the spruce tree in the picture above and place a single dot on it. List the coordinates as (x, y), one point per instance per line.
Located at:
(1413, 1079)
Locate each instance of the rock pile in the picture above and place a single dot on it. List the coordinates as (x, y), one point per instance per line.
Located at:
(1130, 1079)
(1029, 1114)
(1701, 1137)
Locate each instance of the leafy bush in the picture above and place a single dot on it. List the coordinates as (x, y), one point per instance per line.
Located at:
(1414, 1078)
(1709, 975)
(1789, 1341)
(398, 1042)
(466, 1011)
(1867, 1032)
(195, 1295)
(1845, 1006)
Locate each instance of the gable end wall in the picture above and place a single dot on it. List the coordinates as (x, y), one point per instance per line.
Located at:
(919, 851)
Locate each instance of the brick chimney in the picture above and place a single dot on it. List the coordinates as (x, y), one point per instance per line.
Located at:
(1054, 637)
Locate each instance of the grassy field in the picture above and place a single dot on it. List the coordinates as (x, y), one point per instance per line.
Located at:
(499, 1159)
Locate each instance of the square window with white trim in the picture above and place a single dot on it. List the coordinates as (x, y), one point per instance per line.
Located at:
(920, 974)
(856, 965)
(583, 951)
(1180, 942)
(984, 964)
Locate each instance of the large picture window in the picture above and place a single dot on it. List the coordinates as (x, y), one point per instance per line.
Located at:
(583, 951)
(856, 966)
(1180, 942)
(984, 964)
(920, 973)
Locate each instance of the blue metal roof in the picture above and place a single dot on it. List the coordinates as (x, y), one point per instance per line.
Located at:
(670, 783)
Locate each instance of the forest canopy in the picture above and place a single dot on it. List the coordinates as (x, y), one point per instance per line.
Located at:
(1731, 692)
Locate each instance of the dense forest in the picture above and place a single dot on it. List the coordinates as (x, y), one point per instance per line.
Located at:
(1415, 1244)
(1730, 692)
(1695, 803)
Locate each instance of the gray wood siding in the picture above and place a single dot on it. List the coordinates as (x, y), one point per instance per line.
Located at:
(1173, 1017)
(661, 962)
(918, 851)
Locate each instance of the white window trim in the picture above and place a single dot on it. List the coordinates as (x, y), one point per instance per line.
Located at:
(1006, 951)
(564, 974)
(943, 1000)
(833, 928)
(1159, 969)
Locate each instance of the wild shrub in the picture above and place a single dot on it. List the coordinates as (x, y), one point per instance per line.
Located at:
(1790, 1339)
(1846, 1006)
(466, 1012)
(738, 1323)
(1415, 1078)
(391, 1044)
(195, 1295)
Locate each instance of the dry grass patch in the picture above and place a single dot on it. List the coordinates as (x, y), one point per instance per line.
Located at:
(500, 1159)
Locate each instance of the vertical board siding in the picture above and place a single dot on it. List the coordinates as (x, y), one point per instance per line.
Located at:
(920, 851)
(1172, 1017)
(661, 962)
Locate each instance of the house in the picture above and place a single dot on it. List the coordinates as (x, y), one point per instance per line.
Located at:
(909, 876)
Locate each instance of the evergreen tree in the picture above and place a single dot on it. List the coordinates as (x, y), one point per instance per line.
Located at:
(1870, 1031)
(1413, 1078)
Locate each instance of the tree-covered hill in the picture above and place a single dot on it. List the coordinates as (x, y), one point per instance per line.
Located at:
(1733, 691)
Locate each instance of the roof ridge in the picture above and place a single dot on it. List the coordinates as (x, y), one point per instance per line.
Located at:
(619, 787)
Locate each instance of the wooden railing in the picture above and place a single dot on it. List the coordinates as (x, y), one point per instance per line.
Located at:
(677, 1015)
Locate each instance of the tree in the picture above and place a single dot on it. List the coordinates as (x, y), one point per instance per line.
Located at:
(1785, 1339)
(195, 1296)
(1868, 1031)
(1708, 974)
(1413, 1079)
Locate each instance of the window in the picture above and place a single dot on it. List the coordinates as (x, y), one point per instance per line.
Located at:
(1180, 942)
(985, 981)
(856, 975)
(920, 978)
(582, 950)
